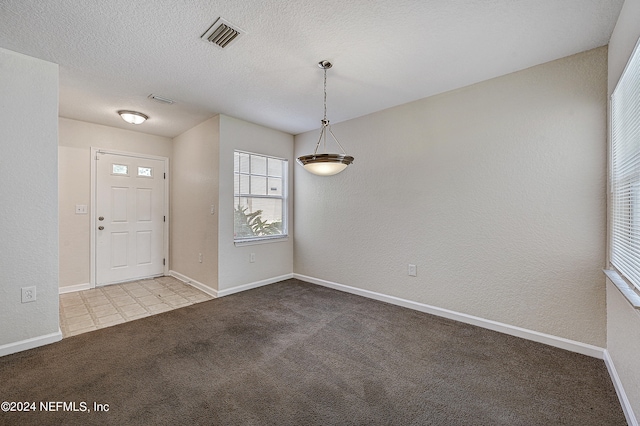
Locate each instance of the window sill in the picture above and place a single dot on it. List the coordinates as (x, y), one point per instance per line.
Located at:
(627, 291)
(282, 239)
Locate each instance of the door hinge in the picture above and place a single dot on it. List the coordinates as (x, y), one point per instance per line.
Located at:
(165, 175)
(164, 261)
(164, 218)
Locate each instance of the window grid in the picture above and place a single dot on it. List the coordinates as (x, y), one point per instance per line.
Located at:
(266, 175)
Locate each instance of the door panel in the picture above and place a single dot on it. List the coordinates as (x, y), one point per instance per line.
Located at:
(119, 204)
(119, 243)
(143, 204)
(144, 247)
(130, 200)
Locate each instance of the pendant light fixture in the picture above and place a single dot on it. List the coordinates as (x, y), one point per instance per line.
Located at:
(325, 164)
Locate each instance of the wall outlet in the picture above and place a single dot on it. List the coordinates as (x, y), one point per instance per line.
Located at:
(200, 257)
(412, 270)
(213, 209)
(28, 294)
(252, 257)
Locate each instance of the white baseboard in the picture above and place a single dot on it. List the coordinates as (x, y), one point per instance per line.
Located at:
(73, 288)
(31, 343)
(548, 339)
(202, 287)
(622, 395)
(227, 291)
(255, 284)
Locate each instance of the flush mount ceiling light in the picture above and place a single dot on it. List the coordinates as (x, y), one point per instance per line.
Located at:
(325, 164)
(133, 117)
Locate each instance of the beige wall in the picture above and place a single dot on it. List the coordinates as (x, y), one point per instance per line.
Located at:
(495, 191)
(623, 322)
(273, 259)
(29, 193)
(194, 189)
(74, 146)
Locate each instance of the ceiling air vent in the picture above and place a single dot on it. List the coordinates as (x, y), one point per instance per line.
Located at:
(161, 99)
(222, 33)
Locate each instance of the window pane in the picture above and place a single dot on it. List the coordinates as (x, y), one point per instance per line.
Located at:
(258, 165)
(120, 169)
(236, 183)
(258, 185)
(243, 162)
(244, 184)
(275, 186)
(145, 171)
(275, 167)
(257, 217)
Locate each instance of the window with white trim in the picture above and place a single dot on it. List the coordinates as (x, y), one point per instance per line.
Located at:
(625, 173)
(260, 197)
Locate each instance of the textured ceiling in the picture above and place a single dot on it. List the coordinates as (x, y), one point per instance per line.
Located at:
(113, 54)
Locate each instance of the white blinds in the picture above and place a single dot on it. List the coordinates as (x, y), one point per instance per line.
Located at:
(625, 172)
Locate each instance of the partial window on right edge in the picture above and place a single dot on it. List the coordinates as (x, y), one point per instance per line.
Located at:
(625, 173)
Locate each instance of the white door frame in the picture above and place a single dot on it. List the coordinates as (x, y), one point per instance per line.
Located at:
(94, 194)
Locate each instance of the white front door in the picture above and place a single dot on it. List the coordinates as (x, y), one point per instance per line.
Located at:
(129, 212)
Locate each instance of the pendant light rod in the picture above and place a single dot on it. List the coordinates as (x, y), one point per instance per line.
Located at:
(325, 65)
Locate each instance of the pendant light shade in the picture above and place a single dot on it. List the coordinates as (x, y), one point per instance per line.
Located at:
(133, 117)
(325, 164)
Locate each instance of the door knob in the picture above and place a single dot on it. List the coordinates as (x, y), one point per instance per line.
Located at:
(101, 218)
(100, 228)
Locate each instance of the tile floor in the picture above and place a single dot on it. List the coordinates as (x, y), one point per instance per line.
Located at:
(101, 307)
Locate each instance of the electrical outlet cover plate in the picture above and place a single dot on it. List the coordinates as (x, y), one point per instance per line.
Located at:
(28, 294)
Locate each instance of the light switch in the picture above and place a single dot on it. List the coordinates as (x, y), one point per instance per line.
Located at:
(81, 209)
(412, 270)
